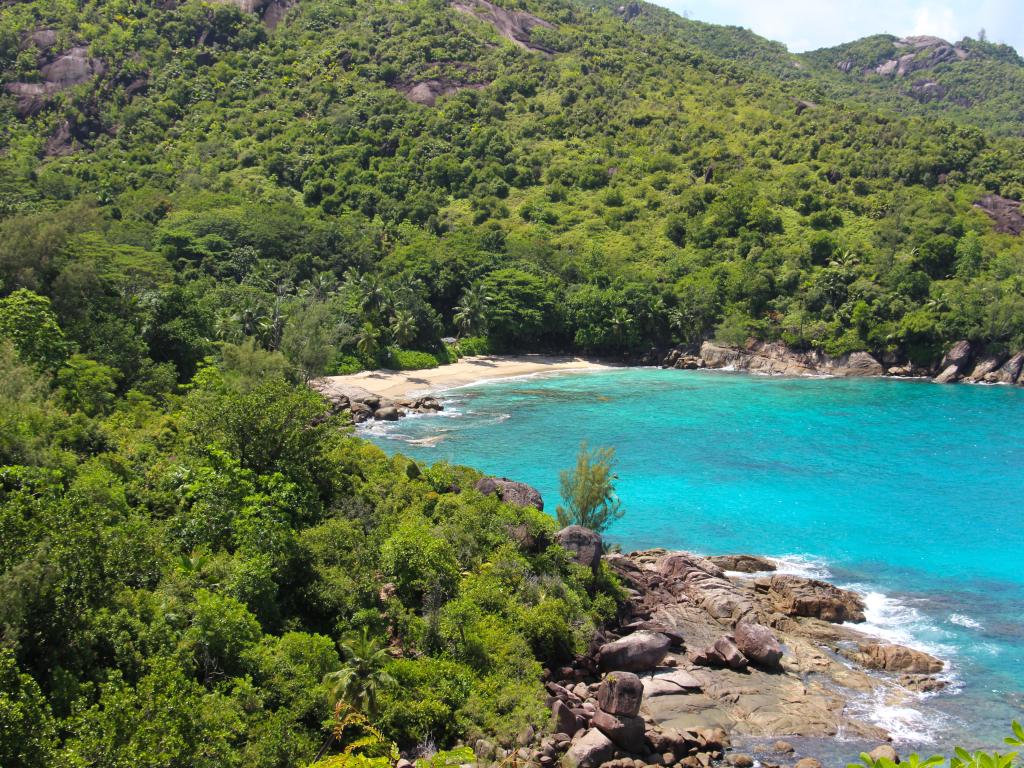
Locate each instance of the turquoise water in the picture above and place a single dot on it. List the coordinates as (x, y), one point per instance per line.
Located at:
(910, 491)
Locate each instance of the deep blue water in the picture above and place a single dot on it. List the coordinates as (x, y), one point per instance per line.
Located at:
(910, 491)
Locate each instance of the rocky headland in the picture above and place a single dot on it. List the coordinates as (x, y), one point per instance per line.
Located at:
(713, 660)
(963, 362)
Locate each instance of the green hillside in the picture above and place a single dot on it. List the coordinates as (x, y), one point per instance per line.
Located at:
(613, 186)
(202, 206)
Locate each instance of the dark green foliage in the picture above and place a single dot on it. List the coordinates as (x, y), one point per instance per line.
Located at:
(197, 583)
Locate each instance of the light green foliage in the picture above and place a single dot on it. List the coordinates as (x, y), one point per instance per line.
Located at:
(588, 490)
(27, 321)
(86, 385)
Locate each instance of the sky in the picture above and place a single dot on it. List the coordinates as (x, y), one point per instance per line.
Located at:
(808, 24)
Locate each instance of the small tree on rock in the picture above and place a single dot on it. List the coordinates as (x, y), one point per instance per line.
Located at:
(588, 490)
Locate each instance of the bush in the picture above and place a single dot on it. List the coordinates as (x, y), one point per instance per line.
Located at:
(412, 360)
(346, 364)
(472, 346)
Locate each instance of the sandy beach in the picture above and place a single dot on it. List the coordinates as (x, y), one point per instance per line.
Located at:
(469, 370)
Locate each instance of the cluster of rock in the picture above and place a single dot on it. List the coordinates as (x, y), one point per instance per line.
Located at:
(709, 650)
(365, 406)
(58, 71)
(773, 358)
(961, 363)
(922, 52)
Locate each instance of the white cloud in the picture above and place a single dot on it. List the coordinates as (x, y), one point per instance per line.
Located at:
(940, 22)
(806, 24)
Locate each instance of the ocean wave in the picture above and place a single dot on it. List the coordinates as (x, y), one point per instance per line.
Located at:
(962, 620)
(802, 565)
(906, 724)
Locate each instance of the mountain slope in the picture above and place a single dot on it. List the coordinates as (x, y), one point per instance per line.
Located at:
(612, 184)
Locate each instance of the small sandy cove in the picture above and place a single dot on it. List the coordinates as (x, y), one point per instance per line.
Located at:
(468, 370)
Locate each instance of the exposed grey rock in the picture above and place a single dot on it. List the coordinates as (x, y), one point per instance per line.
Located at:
(800, 596)
(884, 751)
(949, 374)
(959, 355)
(639, 652)
(566, 721)
(722, 653)
(985, 366)
(620, 693)
(510, 491)
(389, 413)
(758, 644)
(742, 563)
(625, 730)
(589, 751)
(1010, 371)
(670, 684)
(896, 658)
(585, 546)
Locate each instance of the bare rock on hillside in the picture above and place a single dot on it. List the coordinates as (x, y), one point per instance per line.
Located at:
(511, 492)
(512, 25)
(1006, 213)
(427, 92)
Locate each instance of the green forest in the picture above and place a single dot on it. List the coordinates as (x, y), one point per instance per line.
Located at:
(204, 206)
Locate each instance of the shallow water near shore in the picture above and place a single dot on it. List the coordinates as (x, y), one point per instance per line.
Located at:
(909, 491)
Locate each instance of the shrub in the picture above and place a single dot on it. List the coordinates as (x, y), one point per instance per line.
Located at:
(472, 346)
(412, 360)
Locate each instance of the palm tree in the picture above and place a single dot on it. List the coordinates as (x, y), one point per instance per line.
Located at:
(403, 327)
(471, 311)
(363, 675)
(367, 341)
(253, 320)
(319, 286)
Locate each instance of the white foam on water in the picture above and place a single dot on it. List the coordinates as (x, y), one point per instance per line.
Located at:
(962, 620)
(906, 724)
(802, 565)
(899, 622)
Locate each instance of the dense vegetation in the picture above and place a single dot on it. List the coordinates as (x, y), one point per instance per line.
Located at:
(216, 181)
(193, 580)
(196, 559)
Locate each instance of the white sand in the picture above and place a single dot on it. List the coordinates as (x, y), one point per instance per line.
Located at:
(468, 370)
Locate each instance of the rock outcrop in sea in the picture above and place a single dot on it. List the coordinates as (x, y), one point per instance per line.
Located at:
(701, 657)
(364, 406)
(962, 362)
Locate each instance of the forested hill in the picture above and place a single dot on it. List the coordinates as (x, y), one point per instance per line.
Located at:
(567, 175)
(202, 206)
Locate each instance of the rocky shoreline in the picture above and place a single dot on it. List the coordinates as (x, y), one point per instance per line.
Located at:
(961, 363)
(711, 652)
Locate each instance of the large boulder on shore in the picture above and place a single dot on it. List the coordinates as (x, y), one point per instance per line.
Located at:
(510, 491)
(959, 355)
(589, 751)
(800, 596)
(898, 658)
(583, 543)
(759, 645)
(638, 652)
(1009, 372)
(722, 653)
(625, 731)
(742, 563)
(620, 693)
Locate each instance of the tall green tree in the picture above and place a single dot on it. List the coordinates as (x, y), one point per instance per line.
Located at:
(28, 322)
(363, 676)
(588, 490)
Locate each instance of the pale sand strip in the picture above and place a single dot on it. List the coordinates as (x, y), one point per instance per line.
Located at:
(468, 370)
